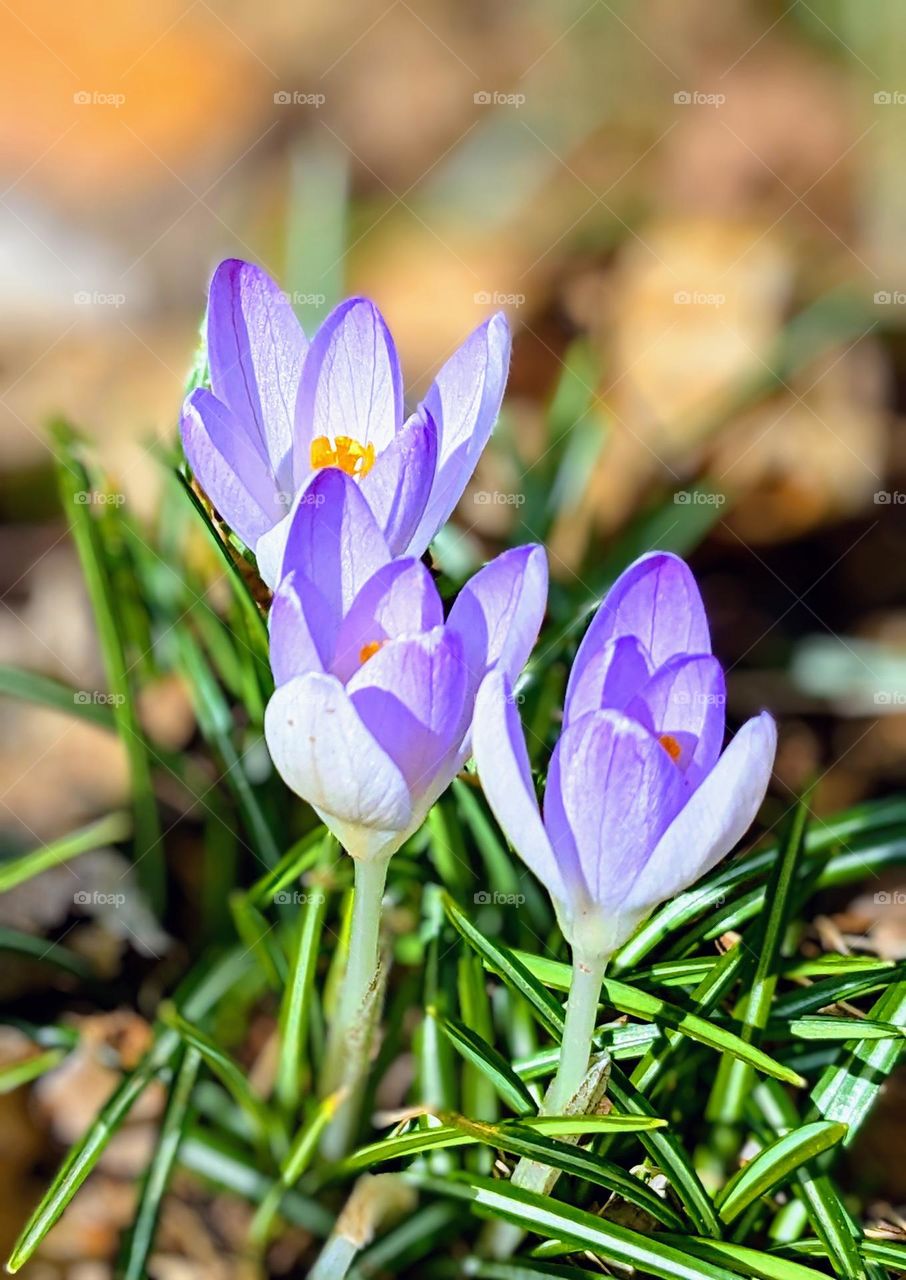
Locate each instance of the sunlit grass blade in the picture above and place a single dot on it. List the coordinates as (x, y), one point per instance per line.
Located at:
(140, 1239)
(108, 830)
(15, 1074)
(296, 996)
(297, 1160)
(492, 1064)
(775, 1163)
(556, 1220)
(831, 1028)
(745, 1261)
(44, 691)
(75, 489)
(846, 1091)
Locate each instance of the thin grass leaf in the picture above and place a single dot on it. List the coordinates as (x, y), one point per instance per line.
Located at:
(298, 1158)
(108, 830)
(831, 1028)
(831, 991)
(16, 1074)
(44, 691)
(296, 997)
(493, 1066)
(745, 1261)
(558, 1221)
(140, 1240)
(37, 948)
(774, 1164)
(847, 1090)
(75, 489)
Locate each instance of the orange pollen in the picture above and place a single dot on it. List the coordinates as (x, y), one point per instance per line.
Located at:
(671, 746)
(349, 455)
(369, 650)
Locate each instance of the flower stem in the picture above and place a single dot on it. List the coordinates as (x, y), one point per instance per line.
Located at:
(575, 1049)
(351, 1028)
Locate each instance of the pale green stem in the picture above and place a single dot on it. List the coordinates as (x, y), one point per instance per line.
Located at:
(349, 1035)
(575, 1049)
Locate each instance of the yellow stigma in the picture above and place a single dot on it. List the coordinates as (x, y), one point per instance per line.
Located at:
(369, 650)
(349, 455)
(671, 746)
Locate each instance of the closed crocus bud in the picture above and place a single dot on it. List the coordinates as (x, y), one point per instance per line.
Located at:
(640, 799)
(279, 411)
(372, 713)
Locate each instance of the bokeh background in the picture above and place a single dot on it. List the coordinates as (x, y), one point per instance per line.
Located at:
(694, 217)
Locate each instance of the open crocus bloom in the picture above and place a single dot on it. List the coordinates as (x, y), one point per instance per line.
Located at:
(372, 713)
(280, 410)
(640, 801)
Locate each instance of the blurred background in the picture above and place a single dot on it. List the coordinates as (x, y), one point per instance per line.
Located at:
(693, 216)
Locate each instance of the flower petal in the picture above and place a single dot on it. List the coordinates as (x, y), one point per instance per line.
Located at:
(398, 484)
(334, 540)
(464, 401)
(351, 384)
(617, 790)
(301, 637)
(685, 700)
(498, 613)
(227, 466)
(656, 600)
(716, 817)
(411, 696)
(611, 677)
(256, 349)
(503, 766)
(400, 599)
(325, 754)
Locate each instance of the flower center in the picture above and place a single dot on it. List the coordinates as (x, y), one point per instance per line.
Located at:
(671, 746)
(349, 455)
(369, 650)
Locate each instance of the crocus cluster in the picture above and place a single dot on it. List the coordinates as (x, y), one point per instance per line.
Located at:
(306, 453)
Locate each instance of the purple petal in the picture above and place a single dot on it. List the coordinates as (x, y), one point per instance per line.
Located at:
(499, 612)
(411, 696)
(464, 401)
(656, 600)
(611, 677)
(301, 636)
(334, 540)
(716, 817)
(351, 384)
(616, 789)
(256, 349)
(503, 765)
(325, 754)
(398, 484)
(228, 467)
(685, 700)
(400, 599)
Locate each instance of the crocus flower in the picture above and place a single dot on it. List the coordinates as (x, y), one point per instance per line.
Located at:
(375, 692)
(279, 411)
(639, 800)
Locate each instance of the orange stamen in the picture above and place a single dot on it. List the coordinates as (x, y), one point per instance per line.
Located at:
(671, 746)
(346, 453)
(369, 650)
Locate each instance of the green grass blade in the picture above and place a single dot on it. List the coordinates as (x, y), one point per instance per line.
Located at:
(296, 997)
(108, 830)
(140, 1239)
(774, 1164)
(44, 691)
(17, 1074)
(745, 1261)
(491, 1063)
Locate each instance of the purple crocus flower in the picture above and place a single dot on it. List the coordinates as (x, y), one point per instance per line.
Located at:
(280, 410)
(639, 800)
(371, 717)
